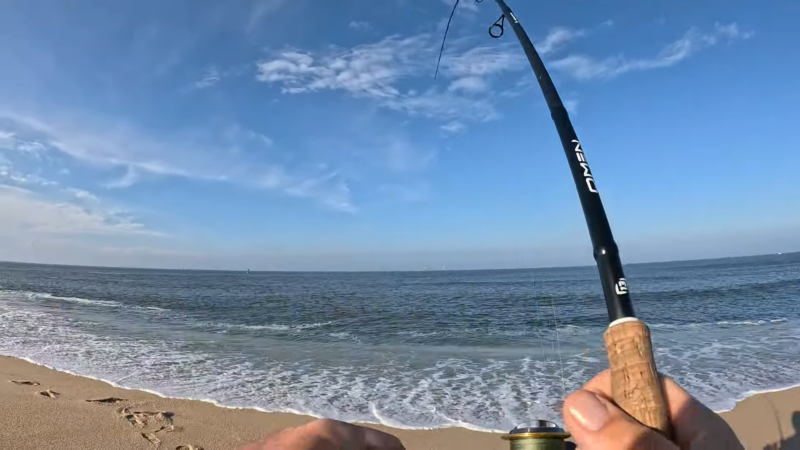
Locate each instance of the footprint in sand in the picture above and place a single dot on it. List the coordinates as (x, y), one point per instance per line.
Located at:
(25, 382)
(140, 419)
(49, 393)
(152, 438)
(146, 419)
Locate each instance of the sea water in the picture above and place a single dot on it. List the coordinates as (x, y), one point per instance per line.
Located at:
(479, 349)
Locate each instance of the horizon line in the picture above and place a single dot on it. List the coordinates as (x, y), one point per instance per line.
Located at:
(247, 270)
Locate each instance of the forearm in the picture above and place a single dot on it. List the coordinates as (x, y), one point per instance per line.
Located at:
(325, 434)
(299, 438)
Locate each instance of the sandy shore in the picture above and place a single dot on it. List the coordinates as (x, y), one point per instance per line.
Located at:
(130, 420)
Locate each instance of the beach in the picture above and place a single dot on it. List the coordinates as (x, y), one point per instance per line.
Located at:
(442, 359)
(131, 419)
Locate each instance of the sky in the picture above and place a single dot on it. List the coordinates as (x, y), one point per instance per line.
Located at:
(312, 135)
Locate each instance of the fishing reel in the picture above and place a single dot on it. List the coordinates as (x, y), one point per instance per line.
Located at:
(541, 435)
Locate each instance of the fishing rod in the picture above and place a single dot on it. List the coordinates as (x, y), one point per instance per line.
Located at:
(635, 384)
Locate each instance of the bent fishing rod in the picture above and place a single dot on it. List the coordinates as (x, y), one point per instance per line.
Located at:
(635, 383)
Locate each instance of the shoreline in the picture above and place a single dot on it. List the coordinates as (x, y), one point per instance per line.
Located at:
(386, 423)
(760, 419)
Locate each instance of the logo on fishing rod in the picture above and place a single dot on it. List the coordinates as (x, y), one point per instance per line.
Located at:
(587, 174)
(621, 287)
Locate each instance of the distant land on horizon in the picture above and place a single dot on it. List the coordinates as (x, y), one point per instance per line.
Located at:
(246, 270)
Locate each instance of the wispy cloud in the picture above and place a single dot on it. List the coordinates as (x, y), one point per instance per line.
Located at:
(379, 72)
(585, 68)
(237, 133)
(471, 70)
(210, 77)
(82, 195)
(29, 213)
(223, 156)
(8, 174)
(463, 5)
(469, 84)
(127, 180)
(6, 139)
(370, 70)
(571, 105)
(403, 155)
(327, 187)
(453, 127)
(360, 25)
(732, 31)
(557, 38)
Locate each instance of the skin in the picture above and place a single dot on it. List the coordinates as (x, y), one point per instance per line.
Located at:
(590, 415)
(694, 425)
(326, 434)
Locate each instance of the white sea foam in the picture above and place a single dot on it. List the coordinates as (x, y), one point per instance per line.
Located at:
(419, 387)
(45, 296)
(270, 327)
(723, 323)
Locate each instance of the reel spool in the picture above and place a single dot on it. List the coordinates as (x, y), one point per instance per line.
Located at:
(542, 435)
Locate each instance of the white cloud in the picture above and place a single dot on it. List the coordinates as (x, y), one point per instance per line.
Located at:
(463, 5)
(6, 139)
(472, 69)
(10, 141)
(557, 38)
(359, 25)
(82, 195)
(586, 68)
(378, 71)
(237, 133)
(571, 105)
(125, 181)
(453, 127)
(369, 70)
(483, 60)
(205, 155)
(328, 187)
(732, 31)
(27, 213)
(446, 106)
(469, 84)
(9, 174)
(210, 77)
(402, 155)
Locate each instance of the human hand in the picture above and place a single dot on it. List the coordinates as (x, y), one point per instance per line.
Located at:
(326, 434)
(596, 423)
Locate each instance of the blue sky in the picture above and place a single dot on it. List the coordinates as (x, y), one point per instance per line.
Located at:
(307, 135)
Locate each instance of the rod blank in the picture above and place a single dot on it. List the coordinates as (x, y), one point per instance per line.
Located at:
(636, 386)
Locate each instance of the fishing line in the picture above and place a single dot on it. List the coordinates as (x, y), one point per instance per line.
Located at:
(637, 389)
(558, 349)
(498, 25)
(444, 38)
(634, 375)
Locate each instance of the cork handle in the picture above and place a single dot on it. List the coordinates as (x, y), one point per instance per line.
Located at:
(635, 384)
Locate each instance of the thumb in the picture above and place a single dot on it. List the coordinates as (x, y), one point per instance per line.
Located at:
(598, 424)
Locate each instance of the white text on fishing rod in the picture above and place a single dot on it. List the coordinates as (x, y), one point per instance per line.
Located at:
(587, 174)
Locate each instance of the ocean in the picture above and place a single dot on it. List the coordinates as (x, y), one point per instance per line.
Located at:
(485, 350)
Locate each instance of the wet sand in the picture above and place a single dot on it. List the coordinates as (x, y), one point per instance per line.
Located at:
(44, 408)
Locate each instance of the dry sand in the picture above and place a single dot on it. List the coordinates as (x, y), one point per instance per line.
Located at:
(131, 420)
